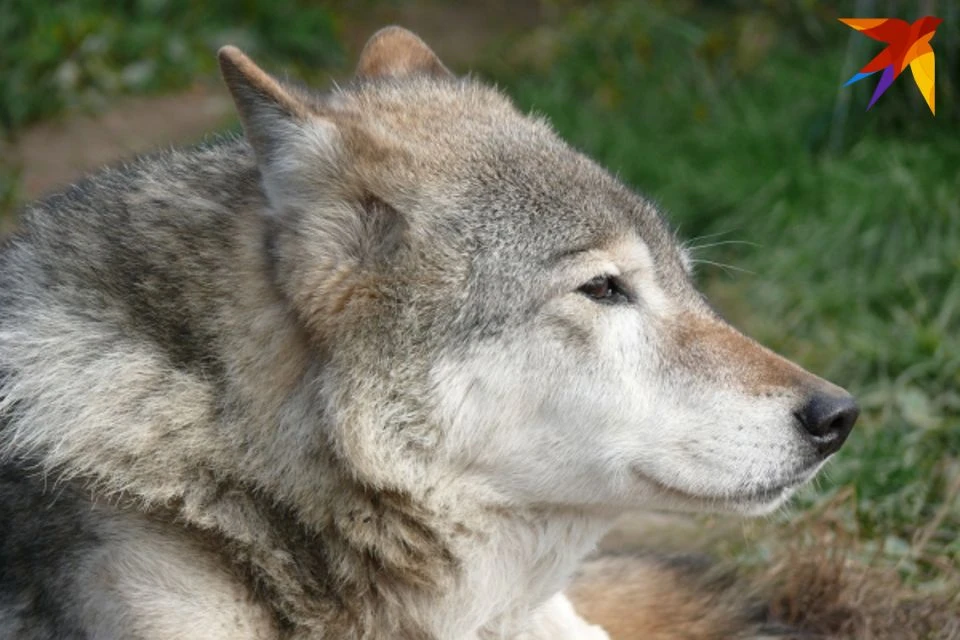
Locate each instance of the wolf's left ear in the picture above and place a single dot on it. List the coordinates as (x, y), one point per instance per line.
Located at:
(270, 113)
(396, 52)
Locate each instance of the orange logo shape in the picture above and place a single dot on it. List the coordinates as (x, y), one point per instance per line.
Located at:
(907, 44)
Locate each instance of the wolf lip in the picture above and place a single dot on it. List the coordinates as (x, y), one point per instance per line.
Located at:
(767, 493)
(757, 496)
(776, 490)
(764, 494)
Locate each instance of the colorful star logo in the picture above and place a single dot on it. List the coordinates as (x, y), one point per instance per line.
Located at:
(907, 44)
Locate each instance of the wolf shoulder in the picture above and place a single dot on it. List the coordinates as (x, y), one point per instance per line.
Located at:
(73, 569)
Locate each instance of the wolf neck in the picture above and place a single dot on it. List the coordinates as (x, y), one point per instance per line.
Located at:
(383, 566)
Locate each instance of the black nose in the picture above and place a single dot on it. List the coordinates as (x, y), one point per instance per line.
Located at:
(828, 419)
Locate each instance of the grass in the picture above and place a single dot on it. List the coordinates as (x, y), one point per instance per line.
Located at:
(846, 223)
(82, 53)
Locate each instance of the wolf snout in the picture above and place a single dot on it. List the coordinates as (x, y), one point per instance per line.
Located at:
(828, 418)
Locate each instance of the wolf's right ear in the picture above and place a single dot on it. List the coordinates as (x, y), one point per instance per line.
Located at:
(270, 113)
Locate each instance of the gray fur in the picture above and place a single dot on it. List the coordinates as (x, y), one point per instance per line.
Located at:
(225, 354)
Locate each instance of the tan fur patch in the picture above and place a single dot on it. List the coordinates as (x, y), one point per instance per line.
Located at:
(755, 368)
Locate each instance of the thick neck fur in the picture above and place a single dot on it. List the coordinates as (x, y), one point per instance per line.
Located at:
(161, 362)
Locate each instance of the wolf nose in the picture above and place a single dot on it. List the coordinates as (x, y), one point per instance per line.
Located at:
(828, 419)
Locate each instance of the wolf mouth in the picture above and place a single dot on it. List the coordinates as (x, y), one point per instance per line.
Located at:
(767, 494)
(759, 496)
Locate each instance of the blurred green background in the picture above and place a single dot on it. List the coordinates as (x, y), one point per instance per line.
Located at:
(830, 233)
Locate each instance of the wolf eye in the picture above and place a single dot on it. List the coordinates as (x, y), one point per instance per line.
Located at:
(606, 289)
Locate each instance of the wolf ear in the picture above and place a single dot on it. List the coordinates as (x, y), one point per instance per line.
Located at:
(269, 112)
(396, 52)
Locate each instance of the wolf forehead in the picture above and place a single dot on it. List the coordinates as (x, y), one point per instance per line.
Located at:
(464, 148)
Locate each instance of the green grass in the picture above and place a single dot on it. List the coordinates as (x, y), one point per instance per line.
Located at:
(847, 224)
(82, 53)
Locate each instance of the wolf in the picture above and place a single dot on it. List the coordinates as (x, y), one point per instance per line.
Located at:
(385, 366)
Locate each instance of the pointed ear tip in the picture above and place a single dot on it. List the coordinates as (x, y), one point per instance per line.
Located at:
(393, 38)
(230, 55)
(394, 31)
(396, 51)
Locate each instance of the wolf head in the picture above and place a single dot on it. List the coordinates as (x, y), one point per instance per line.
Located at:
(496, 308)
